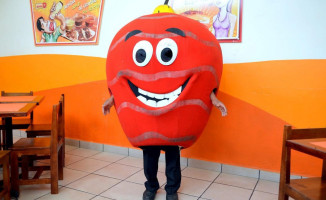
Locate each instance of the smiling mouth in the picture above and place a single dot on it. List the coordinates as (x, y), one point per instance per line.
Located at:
(156, 100)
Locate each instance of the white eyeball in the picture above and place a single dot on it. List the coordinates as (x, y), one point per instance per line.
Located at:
(166, 51)
(142, 53)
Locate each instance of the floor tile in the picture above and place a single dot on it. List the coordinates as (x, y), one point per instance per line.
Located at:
(226, 192)
(108, 157)
(69, 159)
(83, 152)
(118, 171)
(28, 192)
(95, 175)
(193, 187)
(69, 148)
(69, 176)
(263, 196)
(100, 198)
(140, 178)
(267, 186)
(238, 181)
(132, 161)
(202, 174)
(125, 191)
(94, 184)
(67, 194)
(88, 165)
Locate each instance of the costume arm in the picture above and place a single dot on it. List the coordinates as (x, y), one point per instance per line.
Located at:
(107, 105)
(218, 104)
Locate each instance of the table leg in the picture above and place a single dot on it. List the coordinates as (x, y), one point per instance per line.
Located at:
(8, 129)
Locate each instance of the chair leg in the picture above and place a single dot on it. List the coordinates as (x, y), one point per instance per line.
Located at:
(54, 173)
(6, 178)
(14, 172)
(285, 167)
(60, 165)
(284, 176)
(25, 165)
(323, 174)
(63, 153)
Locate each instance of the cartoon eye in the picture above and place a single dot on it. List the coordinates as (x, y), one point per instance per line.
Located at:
(142, 53)
(166, 51)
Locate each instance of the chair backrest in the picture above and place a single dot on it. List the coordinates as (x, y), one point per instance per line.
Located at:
(62, 100)
(3, 93)
(303, 133)
(57, 128)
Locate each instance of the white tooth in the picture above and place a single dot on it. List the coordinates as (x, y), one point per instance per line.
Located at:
(159, 96)
(150, 94)
(173, 98)
(169, 95)
(142, 99)
(162, 103)
(151, 103)
(177, 91)
(142, 91)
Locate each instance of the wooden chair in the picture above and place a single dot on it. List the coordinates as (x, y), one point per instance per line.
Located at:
(19, 122)
(35, 130)
(307, 141)
(4, 161)
(52, 146)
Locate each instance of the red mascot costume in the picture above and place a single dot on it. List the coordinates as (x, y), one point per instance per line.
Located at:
(162, 69)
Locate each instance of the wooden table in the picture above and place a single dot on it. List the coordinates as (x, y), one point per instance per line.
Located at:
(9, 110)
(21, 99)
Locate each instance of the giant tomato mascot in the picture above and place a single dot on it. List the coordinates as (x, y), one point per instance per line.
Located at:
(163, 71)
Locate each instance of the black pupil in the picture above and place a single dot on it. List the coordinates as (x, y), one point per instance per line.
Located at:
(140, 55)
(166, 54)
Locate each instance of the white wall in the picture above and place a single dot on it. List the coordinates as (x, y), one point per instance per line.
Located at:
(271, 30)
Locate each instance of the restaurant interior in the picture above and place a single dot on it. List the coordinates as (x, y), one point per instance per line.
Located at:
(56, 143)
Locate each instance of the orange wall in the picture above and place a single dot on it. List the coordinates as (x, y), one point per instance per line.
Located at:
(261, 98)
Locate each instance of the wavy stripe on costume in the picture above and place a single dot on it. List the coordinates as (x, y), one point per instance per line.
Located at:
(155, 135)
(173, 106)
(166, 35)
(164, 74)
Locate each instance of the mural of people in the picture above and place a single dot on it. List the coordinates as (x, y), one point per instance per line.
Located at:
(224, 21)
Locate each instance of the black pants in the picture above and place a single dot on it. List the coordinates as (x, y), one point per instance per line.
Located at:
(172, 171)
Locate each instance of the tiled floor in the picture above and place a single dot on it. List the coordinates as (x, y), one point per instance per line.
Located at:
(99, 175)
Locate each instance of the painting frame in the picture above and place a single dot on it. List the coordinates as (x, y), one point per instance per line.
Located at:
(209, 13)
(66, 22)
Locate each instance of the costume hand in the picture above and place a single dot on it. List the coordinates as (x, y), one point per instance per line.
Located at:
(218, 104)
(107, 105)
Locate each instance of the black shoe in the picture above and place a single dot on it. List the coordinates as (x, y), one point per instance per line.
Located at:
(172, 196)
(148, 195)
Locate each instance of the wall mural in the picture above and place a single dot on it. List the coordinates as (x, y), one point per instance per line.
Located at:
(221, 17)
(66, 22)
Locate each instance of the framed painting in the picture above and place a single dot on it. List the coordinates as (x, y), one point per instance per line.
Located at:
(66, 22)
(222, 17)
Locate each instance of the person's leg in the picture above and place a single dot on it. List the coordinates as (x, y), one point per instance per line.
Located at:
(151, 155)
(173, 170)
